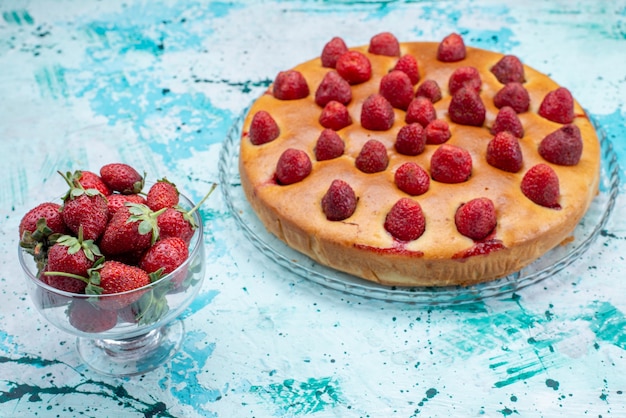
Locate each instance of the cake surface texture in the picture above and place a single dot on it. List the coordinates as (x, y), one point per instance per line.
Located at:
(419, 163)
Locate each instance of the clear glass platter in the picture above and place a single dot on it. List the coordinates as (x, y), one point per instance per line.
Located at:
(547, 266)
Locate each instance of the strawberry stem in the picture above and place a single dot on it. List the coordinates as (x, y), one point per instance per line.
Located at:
(195, 208)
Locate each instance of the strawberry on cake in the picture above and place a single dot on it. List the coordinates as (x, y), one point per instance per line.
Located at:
(418, 163)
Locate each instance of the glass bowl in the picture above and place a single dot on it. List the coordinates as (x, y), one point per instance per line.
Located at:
(127, 333)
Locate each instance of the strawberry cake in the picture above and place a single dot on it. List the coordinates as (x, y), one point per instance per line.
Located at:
(419, 163)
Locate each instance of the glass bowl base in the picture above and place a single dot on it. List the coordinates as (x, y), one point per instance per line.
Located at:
(133, 356)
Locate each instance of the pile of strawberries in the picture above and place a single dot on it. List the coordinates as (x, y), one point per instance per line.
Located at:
(108, 236)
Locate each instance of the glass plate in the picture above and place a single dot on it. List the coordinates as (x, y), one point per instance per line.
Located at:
(546, 266)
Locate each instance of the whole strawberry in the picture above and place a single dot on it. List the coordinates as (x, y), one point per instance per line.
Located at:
(39, 229)
(71, 255)
(84, 208)
(162, 194)
(164, 257)
(132, 228)
(178, 222)
(90, 180)
(117, 200)
(113, 277)
(87, 317)
(122, 178)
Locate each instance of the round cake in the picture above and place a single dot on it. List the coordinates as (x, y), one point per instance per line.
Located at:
(419, 163)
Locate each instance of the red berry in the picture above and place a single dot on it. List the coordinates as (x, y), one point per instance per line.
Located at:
(90, 180)
(132, 228)
(411, 139)
(373, 157)
(437, 132)
(116, 201)
(450, 164)
(116, 277)
(332, 51)
(476, 219)
(71, 255)
(468, 77)
(167, 254)
(384, 43)
(335, 116)
(509, 69)
(333, 87)
(162, 194)
(405, 221)
(293, 166)
(122, 178)
(467, 108)
(339, 202)
(558, 106)
(429, 89)
(290, 85)
(89, 212)
(412, 179)
(514, 95)
(49, 211)
(263, 128)
(354, 67)
(174, 223)
(408, 65)
(329, 145)
(396, 87)
(420, 110)
(504, 152)
(563, 146)
(451, 48)
(377, 113)
(507, 120)
(541, 185)
(86, 317)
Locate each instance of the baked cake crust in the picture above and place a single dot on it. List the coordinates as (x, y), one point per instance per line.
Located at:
(360, 245)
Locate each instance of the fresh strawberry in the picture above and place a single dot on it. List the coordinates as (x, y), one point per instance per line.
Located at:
(293, 166)
(112, 277)
(396, 87)
(165, 256)
(132, 228)
(411, 139)
(467, 108)
(420, 110)
(384, 43)
(178, 222)
(509, 69)
(467, 77)
(71, 255)
(339, 202)
(50, 212)
(90, 180)
(476, 219)
(329, 145)
(333, 87)
(162, 194)
(408, 65)
(263, 128)
(507, 120)
(563, 146)
(558, 106)
(405, 221)
(541, 185)
(335, 116)
(290, 85)
(429, 89)
(450, 164)
(117, 200)
(84, 208)
(504, 152)
(377, 113)
(412, 179)
(451, 48)
(354, 67)
(332, 51)
(514, 95)
(122, 178)
(437, 132)
(85, 316)
(373, 157)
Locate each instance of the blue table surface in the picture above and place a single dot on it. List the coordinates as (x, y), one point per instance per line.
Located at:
(158, 84)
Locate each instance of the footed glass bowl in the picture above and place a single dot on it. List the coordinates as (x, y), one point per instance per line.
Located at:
(127, 333)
